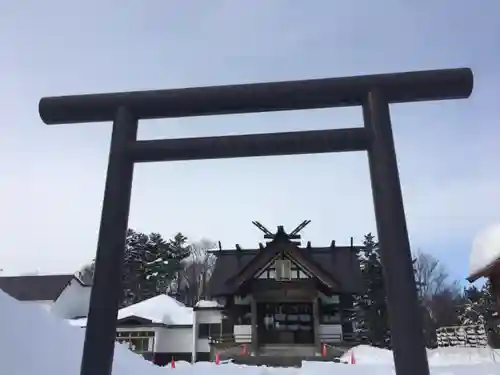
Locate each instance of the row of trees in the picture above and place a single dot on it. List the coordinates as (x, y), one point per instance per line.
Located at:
(443, 302)
(153, 266)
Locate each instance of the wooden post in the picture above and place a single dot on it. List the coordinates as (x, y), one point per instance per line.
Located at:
(106, 295)
(407, 337)
(255, 338)
(317, 342)
(495, 286)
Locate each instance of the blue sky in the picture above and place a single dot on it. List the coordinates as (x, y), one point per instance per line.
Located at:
(53, 177)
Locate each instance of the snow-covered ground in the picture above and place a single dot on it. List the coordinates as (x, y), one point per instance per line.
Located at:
(35, 342)
(366, 355)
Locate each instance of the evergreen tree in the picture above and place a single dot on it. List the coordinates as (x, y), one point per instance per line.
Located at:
(164, 261)
(480, 309)
(150, 264)
(370, 316)
(133, 265)
(474, 309)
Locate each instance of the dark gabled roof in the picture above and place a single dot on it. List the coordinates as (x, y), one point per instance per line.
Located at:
(36, 287)
(289, 249)
(339, 262)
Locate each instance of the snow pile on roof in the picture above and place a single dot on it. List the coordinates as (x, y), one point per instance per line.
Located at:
(34, 341)
(368, 355)
(485, 249)
(204, 304)
(160, 309)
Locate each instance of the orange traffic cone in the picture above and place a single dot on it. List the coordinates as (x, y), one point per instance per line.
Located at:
(172, 364)
(217, 358)
(353, 359)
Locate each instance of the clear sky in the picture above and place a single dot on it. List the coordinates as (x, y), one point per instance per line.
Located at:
(52, 178)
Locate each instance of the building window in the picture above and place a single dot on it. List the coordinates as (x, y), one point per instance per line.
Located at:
(283, 269)
(209, 330)
(243, 315)
(268, 273)
(271, 273)
(137, 341)
(330, 300)
(329, 314)
(297, 273)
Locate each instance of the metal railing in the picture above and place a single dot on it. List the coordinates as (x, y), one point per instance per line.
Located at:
(337, 337)
(231, 338)
(246, 339)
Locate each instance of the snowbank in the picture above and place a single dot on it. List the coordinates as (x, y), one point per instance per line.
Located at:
(34, 342)
(462, 356)
(368, 355)
(485, 249)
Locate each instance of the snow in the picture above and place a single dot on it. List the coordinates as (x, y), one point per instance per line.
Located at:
(485, 249)
(34, 342)
(158, 260)
(80, 322)
(159, 309)
(204, 304)
(367, 355)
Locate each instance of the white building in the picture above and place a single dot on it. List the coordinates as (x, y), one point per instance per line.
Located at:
(64, 295)
(162, 328)
(207, 325)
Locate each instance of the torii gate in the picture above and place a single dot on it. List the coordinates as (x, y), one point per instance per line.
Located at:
(374, 93)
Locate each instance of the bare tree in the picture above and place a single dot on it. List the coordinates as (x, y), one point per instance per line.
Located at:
(445, 306)
(194, 277)
(439, 296)
(430, 275)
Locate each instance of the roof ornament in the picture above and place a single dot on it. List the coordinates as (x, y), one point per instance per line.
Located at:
(293, 235)
(267, 232)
